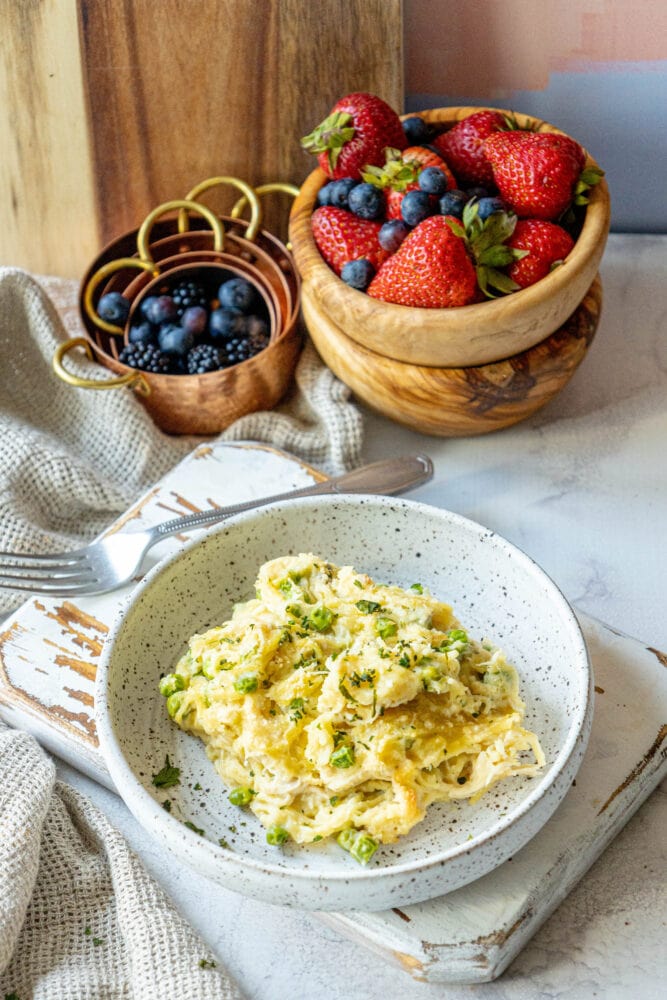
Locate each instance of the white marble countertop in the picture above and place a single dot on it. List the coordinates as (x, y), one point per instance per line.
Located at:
(582, 488)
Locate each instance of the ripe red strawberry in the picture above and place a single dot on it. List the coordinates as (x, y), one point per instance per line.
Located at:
(341, 237)
(431, 269)
(356, 132)
(546, 244)
(463, 146)
(536, 173)
(400, 173)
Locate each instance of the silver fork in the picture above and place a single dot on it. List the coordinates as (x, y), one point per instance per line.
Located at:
(112, 561)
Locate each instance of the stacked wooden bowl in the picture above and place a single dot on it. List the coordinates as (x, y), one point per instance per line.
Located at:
(459, 371)
(193, 244)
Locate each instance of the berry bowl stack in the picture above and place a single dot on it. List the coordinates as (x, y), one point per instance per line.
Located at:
(195, 312)
(449, 260)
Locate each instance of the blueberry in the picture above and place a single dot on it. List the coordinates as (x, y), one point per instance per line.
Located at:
(487, 206)
(340, 191)
(174, 339)
(416, 130)
(366, 201)
(392, 234)
(257, 329)
(415, 207)
(142, 333)
(432, 181)
(477, 192)
(113, 308)
(324, 194)
(194, 320)
(160, 309)
(226, 323)
(237, 293)
(358, 273)
(453, 203)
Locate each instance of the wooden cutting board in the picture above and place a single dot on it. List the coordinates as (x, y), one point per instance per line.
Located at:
(110, 107)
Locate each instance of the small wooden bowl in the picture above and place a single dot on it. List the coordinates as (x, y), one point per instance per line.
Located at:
(457, 402)
(463, 336)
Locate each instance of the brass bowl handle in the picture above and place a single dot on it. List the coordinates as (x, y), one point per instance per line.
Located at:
(246, 191)
(283, 186)
(134, 379)
(99, 276)
(185, 205)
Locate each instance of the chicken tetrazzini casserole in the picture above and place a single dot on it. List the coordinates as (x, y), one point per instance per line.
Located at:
(334, 706)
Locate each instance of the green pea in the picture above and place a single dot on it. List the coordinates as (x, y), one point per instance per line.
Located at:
(174, 702)
(385, 627)
(367, 607)
(320, 619)
(241, 796)
(360, 845)
(342, 757)
(172, 683)
(246, 683)
(276, 835)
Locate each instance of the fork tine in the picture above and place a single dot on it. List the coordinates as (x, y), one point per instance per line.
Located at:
(42, 574)
(31, 559)
(63, 590)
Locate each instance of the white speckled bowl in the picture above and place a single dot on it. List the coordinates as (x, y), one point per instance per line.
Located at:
(496, 591)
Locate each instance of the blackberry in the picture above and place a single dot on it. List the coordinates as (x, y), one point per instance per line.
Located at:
(146, 357)
(204, 358)
(240, 349)
(187, 293)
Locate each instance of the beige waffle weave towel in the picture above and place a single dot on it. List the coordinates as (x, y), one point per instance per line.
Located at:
(80, 919)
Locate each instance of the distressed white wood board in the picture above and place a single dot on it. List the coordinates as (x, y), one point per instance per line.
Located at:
(48, 653)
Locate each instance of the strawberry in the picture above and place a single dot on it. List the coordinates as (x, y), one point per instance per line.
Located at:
(341, 237)
(356, 132)
(463, 146)
(546, 244)
(400, 173)
(539, 174)
(431, 269)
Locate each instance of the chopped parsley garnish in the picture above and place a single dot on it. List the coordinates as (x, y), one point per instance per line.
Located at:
(87, 931)
(223, 843)
(296, 709)
(358, 584)
(417, 587)
(195, 829)
(345, 693)
(168, 776)
(334, 800)
(166, 805)
(206, 963)
(97, 942)
(404, 660)
(342, 757)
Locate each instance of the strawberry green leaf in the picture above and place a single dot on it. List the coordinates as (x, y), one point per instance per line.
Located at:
(497, 256)
(456, 227)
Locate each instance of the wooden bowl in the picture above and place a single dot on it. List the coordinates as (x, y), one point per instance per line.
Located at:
(457, 402)
(462, 336)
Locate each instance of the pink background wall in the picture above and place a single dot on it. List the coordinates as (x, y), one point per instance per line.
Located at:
(596, 69)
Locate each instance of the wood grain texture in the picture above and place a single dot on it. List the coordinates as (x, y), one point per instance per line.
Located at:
(458, 402)
(46, 184)
(179, 92)
(467, 335)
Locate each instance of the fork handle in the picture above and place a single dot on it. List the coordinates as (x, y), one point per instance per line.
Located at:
(389, 477)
